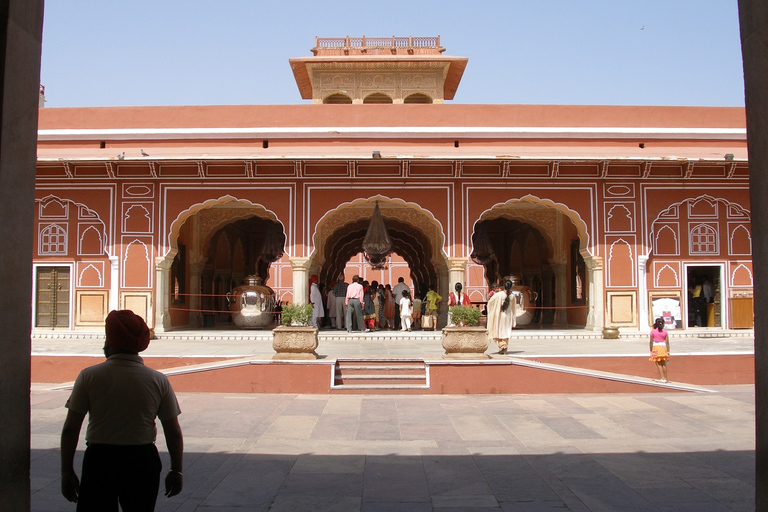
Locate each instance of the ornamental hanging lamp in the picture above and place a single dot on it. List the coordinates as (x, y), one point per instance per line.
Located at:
(482, 249)
(377, 245)
(274, 242)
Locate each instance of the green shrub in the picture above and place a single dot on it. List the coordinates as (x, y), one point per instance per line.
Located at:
(465, 315)
(294, 314)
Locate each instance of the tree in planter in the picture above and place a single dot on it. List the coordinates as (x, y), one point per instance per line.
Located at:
(468, 316)
(297, 314)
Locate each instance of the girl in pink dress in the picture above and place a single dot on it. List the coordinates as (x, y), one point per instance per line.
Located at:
(660, 348)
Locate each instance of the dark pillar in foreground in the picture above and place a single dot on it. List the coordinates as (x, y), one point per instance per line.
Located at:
(753, 18)
(21, 29)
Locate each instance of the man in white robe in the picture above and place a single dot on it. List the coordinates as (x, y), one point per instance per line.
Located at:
(316, 298)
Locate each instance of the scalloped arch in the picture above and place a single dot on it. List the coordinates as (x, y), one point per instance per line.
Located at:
(248, 209)
(506, 210)
(408, 212)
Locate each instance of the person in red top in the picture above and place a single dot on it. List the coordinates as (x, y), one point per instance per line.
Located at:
(457, 298)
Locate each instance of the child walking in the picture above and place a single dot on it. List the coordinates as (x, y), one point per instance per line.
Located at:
(405, 311)
(660, 348)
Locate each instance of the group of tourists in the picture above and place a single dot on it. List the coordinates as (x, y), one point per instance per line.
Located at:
(372, 306)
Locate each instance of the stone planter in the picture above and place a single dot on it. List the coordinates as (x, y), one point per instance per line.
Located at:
(294, 342)
(611, 333)
(465, 342)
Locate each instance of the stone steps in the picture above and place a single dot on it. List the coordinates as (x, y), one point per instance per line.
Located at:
(382, 375)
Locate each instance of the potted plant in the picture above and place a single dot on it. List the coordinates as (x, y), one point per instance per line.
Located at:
(295, 339)
(296, 315)
(465, 339)
(465, 316)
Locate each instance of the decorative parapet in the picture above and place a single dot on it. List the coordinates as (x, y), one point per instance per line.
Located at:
(371, 45)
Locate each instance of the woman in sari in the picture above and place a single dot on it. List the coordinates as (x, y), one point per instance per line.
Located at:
(369, 311)
(501, 316)
(389, 308)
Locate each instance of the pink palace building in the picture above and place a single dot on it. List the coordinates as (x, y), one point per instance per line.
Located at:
(611, 214)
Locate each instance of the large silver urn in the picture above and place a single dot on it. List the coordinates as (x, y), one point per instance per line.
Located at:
(525, 301)
(252, 305)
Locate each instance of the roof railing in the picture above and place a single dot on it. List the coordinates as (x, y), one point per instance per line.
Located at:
(362, 44)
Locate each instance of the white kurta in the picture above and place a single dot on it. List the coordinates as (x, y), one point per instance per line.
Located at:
(501, 323)
(316, 298)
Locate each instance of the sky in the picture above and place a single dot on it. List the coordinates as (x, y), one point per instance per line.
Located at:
(235, 52)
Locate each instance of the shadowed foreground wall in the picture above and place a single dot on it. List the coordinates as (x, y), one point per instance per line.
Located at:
(21, 28)
(753, 19)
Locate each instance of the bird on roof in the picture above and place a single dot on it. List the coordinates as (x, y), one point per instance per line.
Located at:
(121, 156)
(144, 153)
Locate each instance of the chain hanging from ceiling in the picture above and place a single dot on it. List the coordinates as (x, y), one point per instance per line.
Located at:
(377, 245)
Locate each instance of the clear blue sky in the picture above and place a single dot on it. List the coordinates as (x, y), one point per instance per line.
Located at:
(216, 52)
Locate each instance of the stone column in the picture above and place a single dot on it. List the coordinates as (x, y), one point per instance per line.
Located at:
(20, 42)
(114, 281)
(162, 292)
(457, 271)
(444, 287)
(642, 299)
(196, 266)
(595, 299)
(300, 267)
(561, 298)
(753, 18)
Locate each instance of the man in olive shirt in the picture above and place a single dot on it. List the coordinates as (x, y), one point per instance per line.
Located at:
(122, 398)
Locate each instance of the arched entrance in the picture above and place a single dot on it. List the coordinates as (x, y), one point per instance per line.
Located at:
(214, 246)
(542, 243)
(416, 236)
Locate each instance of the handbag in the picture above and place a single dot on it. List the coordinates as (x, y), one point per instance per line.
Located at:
(426, 322)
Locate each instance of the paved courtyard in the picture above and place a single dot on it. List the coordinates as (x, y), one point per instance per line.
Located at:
(647, 452)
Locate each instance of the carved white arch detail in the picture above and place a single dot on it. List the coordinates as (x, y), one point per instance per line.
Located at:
(506, 210)
(248, 208)
(427, 218)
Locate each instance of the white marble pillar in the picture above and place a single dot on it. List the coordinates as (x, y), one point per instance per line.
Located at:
(300, 267)
(162, 292)
(457, 272)
(595, 298)
(114, 282)
(642, 291)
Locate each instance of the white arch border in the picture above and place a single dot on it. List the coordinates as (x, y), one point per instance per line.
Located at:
(439, 244)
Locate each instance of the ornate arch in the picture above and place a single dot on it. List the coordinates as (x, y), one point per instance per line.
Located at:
(542, 214)
(416, 234)
(216, 213)
(407, 212)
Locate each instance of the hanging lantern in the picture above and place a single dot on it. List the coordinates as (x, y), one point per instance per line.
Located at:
(377, 245)
(274, 241)
(482, 250)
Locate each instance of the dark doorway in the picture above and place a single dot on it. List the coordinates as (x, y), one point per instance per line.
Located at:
(703, 285)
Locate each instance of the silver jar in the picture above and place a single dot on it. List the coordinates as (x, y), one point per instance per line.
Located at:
(252, 305)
